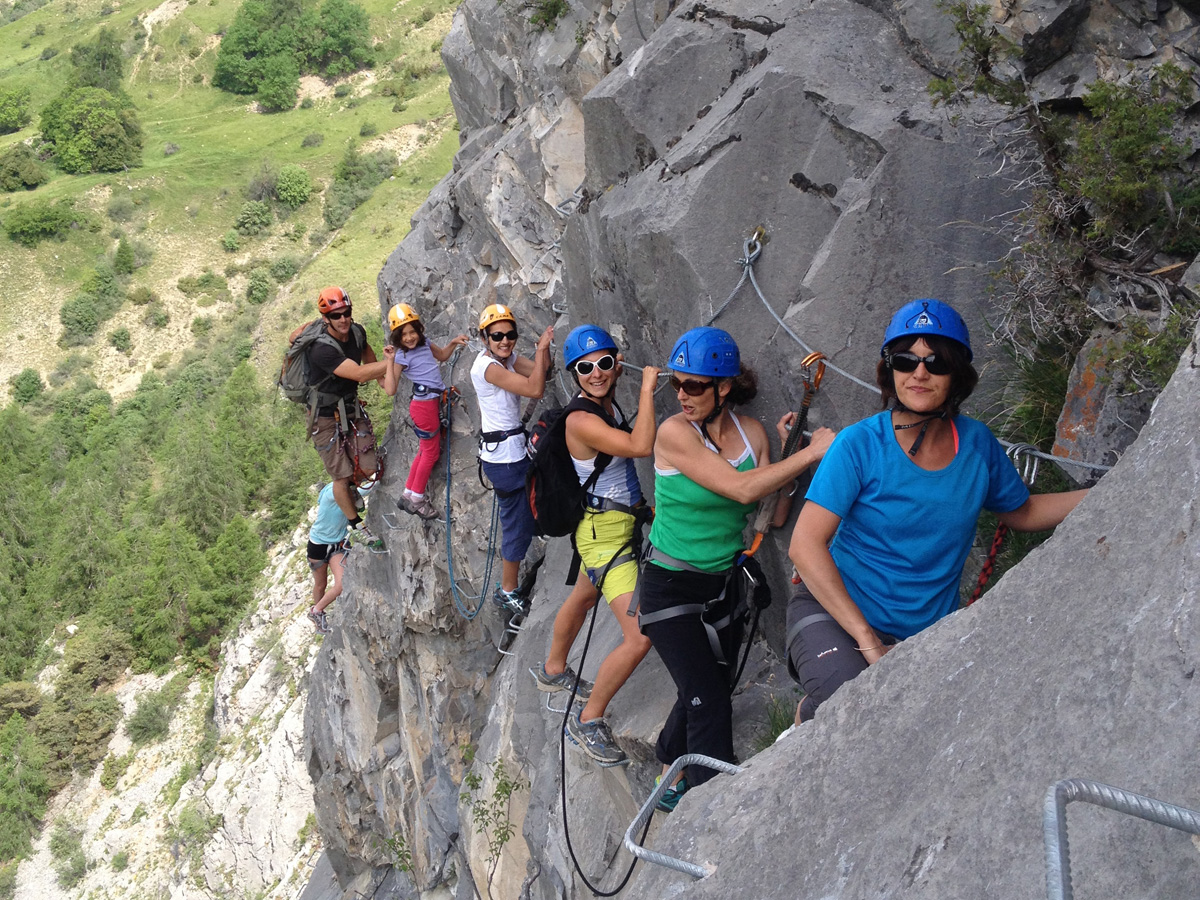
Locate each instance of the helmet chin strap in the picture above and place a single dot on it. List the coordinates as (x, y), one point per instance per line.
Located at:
(924, 423)
(600, 399)
(718, 408)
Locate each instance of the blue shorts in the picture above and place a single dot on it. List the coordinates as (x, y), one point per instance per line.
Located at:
(516, 519)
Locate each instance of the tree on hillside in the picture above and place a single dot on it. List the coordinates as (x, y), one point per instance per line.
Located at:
(271, 43)
(92, 130)
(98, 64)
(14, 110)
(23, 787)
(20, 169)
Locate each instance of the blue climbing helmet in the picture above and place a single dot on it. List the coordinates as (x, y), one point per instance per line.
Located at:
(921, 317)
(583, 340)
(706, 351)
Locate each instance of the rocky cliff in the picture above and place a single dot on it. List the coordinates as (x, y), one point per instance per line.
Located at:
(612, 170)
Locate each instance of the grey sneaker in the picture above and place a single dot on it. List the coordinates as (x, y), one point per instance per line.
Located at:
(563, 681)
(319, 621)
(510, 600)
(595, 739)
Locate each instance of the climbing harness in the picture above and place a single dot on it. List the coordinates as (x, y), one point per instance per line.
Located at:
(1028, 471)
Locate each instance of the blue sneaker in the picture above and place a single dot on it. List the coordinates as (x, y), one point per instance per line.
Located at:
(668, 801)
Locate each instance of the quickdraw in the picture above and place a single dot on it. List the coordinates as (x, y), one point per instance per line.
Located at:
(812, 373)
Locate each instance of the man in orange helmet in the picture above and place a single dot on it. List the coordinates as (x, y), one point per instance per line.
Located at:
(342, 431)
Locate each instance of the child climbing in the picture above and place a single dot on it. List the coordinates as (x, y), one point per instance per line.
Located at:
(602, 449)
(328, 548)
(409, 353)
(501, 378)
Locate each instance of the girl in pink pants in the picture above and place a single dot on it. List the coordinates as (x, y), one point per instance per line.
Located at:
(408, 352)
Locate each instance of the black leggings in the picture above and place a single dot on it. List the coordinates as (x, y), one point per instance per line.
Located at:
(702, 719)
(821, 655)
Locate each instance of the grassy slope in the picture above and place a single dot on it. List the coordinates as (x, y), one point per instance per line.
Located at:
(186, 201)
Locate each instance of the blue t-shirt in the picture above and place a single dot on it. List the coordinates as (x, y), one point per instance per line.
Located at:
(330, 525)
(905, 532)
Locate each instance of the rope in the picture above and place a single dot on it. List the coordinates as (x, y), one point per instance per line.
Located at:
(751, 250)
(463, 601)
(989, 566)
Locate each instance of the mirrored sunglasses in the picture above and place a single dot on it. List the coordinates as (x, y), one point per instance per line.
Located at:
(499, 336)
(691, 387)
(605, 363)
(907, 362)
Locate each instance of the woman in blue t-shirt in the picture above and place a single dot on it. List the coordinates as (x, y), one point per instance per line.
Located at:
(899, 495)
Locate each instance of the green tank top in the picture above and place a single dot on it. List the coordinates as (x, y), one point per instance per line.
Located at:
(695, 525)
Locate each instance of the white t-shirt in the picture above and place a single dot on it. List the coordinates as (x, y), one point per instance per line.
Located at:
(499, 410)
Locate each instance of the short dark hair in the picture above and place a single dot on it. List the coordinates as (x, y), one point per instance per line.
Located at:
(963, 376)
(417, 324)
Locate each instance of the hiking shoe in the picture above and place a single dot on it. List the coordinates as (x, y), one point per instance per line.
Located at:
(319, 621)
(595, 739)
(510, 600)
(668, 801)
(422, 507)
(563, 681)
(361, 534)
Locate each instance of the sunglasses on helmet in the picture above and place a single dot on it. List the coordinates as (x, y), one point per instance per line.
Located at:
(907, 362)
(691, 387)
(605, 363)
(499, 336)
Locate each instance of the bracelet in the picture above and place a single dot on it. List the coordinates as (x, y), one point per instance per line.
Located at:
(865, 649)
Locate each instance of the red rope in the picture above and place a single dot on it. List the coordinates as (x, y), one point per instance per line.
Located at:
(990, 565)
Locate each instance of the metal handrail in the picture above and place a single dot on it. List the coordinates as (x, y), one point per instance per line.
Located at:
(1054, 823)
(664, 784)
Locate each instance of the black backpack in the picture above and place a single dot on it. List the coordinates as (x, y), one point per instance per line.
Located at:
(556, 497)
(295, 374)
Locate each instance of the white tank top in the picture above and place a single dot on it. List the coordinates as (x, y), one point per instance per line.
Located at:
(618, 482)
(499, 410)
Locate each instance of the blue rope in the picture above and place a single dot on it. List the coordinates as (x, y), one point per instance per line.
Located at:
(462, 600)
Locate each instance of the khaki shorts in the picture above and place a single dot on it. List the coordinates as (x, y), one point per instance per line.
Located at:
(613, 530)
(337, 456)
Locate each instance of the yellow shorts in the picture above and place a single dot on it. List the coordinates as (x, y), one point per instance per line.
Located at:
(600, 536)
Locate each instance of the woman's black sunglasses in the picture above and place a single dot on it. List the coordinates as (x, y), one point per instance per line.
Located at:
(691, 387)
(605, 363)
(907, 362)
(499, 336)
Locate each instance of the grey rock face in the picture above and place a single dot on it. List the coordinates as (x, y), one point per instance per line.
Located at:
(612, 171)
(925, 776)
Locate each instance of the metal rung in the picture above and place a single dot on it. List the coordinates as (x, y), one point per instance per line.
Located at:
(555, 709)
(1054, 823)
(391, 521)
(514, 628)
(647, 810)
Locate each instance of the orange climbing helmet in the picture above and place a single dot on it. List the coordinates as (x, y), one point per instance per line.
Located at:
(497, 312)
(332, 299)
(400, 315)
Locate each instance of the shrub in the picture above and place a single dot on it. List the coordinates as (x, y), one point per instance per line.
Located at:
(120, 861)
(170, 149)
(306, 103)
(92, 130)
(66, 847)
(26, 385)
(156, 316)
(151, 721)
(258, 286)
(48, 53)
(31, 223)
(284, 268)
(316, 139)
(202, 325)
(231, 241)
(114, 767)
(263, 182)
(123, 260)
(279, 84)
(121, 339)
(120, 208)
(20, 169)
(253, 218)
(368, 129)
(345, 89)
(293, 186)
(141, 295)
(14, 110)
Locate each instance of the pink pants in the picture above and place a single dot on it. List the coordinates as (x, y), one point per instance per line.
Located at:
(425, 416)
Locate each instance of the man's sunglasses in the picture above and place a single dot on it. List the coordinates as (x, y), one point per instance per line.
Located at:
(605, 363)
(907, 362)
(691, 387)
(499, 336)
(342, 315)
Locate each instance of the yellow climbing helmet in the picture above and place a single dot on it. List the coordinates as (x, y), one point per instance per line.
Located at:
(497, 312)
(400, 315)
